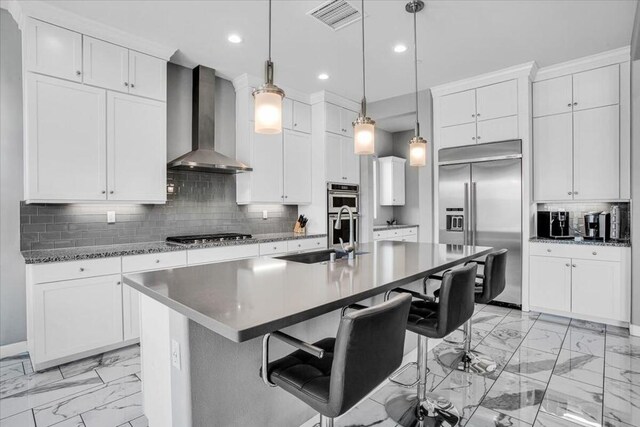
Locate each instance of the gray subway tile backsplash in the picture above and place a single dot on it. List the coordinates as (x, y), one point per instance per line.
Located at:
(200, 203)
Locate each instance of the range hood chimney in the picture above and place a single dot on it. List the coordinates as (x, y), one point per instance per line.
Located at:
(203, 157)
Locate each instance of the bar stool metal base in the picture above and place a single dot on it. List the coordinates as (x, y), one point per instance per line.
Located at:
(435, 411)
(467, 361)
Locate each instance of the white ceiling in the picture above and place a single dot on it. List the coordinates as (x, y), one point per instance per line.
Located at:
(457, 39)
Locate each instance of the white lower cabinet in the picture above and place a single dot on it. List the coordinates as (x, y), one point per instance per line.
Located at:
(584, 281)
(76, 316)
(409, 234)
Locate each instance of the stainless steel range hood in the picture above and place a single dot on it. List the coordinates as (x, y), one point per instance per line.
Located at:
(203, 157)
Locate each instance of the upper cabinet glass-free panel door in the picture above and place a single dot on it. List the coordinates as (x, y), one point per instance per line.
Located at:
(301, 117)
(458, 108)
(596, 163)
(455, 136)
(596, 88)
(501, 129)
(333, 157)
(553, 96)
(350, 162)
(53, 50)
(347, 117)
(105, 64)
(552, 157)
(297, 167)
(333, 124)
(498, 100)
(65, 147)
(266, 161)
(136, 149)
(147, 76)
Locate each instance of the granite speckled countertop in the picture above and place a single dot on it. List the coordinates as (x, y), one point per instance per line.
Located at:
(580, 242)
(393, 227)
(106, 251)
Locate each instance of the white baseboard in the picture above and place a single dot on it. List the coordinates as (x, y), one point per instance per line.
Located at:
(13, 349)
(634, 330)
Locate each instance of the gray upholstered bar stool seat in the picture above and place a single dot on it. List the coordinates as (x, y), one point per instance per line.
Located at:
(491, 284)
(430, 319)
(332, 375)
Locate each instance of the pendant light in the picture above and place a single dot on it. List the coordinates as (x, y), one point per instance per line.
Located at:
(417, 144)
(268, 99)
(363, 126)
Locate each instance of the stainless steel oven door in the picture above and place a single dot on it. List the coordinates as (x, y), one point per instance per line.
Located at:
(335, 235)
(339, 199)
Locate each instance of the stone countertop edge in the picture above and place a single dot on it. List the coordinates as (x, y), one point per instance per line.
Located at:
(255, 331)
(393, 227)
(96, 252)
(580, 242)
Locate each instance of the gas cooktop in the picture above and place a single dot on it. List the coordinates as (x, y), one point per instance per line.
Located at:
(207, 238)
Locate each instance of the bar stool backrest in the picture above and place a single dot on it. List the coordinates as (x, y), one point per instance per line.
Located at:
(456, 299)
(495, 272)
(369, 347)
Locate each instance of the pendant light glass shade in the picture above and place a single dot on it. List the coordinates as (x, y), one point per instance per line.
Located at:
(268, 99)
(363, 127)
(417, 144)
(364, 136)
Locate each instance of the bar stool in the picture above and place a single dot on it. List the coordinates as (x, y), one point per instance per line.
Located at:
(334, 374)
(492, 283)
(430, 319)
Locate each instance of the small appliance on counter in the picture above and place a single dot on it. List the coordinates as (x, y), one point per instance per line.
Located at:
(619, 227)
(554, 225)
(597, 226)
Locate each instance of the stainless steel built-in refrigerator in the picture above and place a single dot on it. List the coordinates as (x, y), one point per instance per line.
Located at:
(480, 203)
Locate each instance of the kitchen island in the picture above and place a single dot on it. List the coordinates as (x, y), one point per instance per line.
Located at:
(201, 326)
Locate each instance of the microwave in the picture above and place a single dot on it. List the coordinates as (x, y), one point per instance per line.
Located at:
(339, 195)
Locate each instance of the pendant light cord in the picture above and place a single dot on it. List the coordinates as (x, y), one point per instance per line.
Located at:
(269, 30)
(415, 65)
(364, 79)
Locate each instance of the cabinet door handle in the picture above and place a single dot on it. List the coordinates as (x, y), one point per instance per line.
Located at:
(478, 137)
(81, 269)
(111, 192)
(78, 73)
(569, 192)
(575, 193)
(573, 265)
(104, 191)
(157, 261)
(295, 125)
(132, 85)
(548, 250)
(126, 84)
(275, 248)
(119, 283)
(473, 137)
(478, 115)
(286, 197)
(568, 265)
(569, 105)
(473, 115)
(594, 253)
(575, 103)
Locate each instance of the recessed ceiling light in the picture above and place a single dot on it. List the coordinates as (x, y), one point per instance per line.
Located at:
(323, 76)
(234, 38)
(399, 48)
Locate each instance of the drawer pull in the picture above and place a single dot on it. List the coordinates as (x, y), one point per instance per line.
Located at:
(594, 253)
(275, 248)
(157, 261)
(81, 269)
(548, 250)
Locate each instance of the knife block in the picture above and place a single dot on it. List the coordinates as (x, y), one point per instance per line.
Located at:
(298, 229)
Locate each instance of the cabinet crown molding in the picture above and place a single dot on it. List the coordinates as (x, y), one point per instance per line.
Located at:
(46, 12)
(598, 60)
(528, 70)
(332, 98)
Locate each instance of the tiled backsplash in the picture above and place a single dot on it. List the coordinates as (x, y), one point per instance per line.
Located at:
(579, 209)
(200, 203)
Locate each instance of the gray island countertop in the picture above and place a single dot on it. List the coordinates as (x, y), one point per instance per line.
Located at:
(245, 299)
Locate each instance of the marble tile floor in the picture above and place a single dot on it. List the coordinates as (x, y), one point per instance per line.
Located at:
(552, 372)
(100, 391)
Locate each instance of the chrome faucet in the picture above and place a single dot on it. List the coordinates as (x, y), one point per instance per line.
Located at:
(349, 249)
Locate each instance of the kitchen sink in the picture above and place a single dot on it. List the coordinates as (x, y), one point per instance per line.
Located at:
(316, 256)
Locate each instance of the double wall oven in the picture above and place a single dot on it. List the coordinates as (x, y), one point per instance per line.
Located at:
(339, 195)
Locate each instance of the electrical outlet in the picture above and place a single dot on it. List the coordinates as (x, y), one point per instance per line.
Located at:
(111, 217)
(265, 215)
(175, 354)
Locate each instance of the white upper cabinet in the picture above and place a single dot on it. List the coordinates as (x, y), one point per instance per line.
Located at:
(296, 116)
(53, 50)
(454, 136)
(105, 64)
(297, 165)
(147, 76)
(350, 161)
(596, 88)
(553, 96)
(498, 100)
(458, 108)
(264, 183)
(339, 120)
(392, 176)
(333, 145)
(65, 141)
(136, 148)
(493, 130)
(552, 157)
(596, 146)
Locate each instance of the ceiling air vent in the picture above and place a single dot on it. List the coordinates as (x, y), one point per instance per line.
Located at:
(335, 14)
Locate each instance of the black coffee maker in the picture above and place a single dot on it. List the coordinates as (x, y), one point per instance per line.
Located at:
(554, 225)
(597, 226)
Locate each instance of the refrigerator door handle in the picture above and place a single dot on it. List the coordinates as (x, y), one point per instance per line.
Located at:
(473, 215)
(465, 226)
